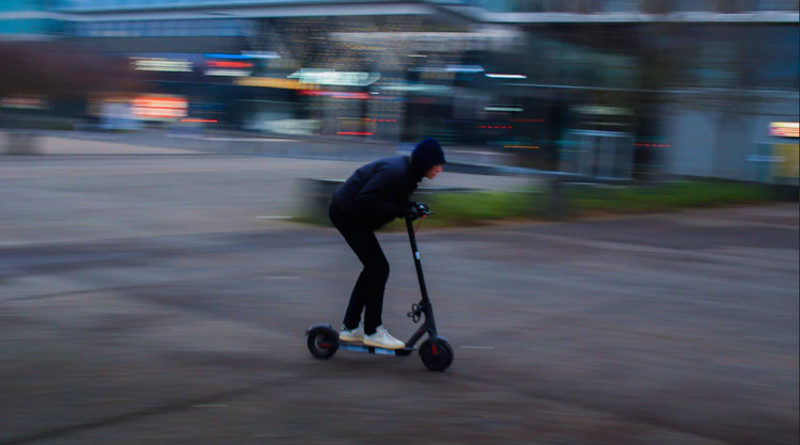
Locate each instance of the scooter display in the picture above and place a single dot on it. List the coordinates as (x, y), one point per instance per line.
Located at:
(435, 352)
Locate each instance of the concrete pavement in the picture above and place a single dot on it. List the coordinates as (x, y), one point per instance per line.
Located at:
(142, 301)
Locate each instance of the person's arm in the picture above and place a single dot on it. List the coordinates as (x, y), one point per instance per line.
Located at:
(374, 202)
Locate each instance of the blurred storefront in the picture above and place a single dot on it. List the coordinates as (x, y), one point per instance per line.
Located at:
(626, 88)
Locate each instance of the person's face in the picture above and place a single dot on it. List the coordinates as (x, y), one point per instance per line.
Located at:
(433, 171)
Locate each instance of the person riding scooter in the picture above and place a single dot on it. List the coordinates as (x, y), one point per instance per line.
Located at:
(375, 194)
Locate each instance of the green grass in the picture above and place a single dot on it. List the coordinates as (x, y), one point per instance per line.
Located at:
(672, 196)
(476, 208)
(471, 208)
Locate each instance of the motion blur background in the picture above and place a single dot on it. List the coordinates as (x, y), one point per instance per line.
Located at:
(159, 160)
(621, 89)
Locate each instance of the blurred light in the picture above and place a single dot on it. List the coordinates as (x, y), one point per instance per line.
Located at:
(495, 127)
(605, 111)
(527, 120)
(161, 64)
(503, 109)
(448, 69)
(227, 72)
(464, 69)
(354, 133)
(765, 158)
(226, 64)
(226, 56)
(506, 76)
(261, 54)
(273, 82)
(333, 77)
(159, 107)
(24, 102)
(784, 129)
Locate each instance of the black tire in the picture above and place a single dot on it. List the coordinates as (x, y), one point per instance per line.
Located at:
(323, 342)
(436, 356)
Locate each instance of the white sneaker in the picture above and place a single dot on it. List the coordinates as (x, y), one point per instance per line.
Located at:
(356, 334)
(382, 339)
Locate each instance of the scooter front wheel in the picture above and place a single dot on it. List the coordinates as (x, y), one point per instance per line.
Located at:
(436, 356)
(323, 341)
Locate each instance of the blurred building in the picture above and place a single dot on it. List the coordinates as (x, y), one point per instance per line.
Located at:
(29, 20)
(614, 88)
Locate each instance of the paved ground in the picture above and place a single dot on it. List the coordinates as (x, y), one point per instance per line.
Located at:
(57, 199)
(141, 300)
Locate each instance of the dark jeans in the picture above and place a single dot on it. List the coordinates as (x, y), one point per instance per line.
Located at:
(367, 295)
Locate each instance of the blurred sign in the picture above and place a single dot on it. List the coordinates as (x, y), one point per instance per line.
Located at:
(230, 68)
(24, 102)
(784, 129)
(788, 165)
(597, 110)
(228, 64)
(333, 77)
(261, 54)
(227, 56)
(159, 107)
(273, 82)
(161, 64)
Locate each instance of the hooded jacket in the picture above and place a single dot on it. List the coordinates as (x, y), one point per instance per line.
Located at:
(379, 192)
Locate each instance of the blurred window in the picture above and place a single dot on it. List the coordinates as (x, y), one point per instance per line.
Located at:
(180, 27)
(149, 29)
(778, 5)
(621, 6)
(745, 5)
(694, 5)
(192, 27)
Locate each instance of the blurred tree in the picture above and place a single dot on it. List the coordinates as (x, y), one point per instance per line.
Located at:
(59, 70)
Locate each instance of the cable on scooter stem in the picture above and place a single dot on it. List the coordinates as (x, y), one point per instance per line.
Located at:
(419, 224)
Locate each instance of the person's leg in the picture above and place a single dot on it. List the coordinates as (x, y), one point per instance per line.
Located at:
(352, 317)
(368, 292)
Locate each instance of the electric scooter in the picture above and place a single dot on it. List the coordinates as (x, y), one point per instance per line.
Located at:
(435, 352)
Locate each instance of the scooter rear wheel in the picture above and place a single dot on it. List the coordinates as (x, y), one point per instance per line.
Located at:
(436, 356)
(323, 342)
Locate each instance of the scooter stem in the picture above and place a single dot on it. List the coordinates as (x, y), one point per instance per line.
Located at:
(417, 263)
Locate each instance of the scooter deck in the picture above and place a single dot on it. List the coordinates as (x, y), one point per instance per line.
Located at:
(361, 347)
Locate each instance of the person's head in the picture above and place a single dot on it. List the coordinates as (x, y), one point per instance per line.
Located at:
(433, 171)
(427, 159)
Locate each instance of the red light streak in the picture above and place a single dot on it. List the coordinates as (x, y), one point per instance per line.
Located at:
(223, 64)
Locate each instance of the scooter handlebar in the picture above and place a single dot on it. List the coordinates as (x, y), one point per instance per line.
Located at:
(418, 210)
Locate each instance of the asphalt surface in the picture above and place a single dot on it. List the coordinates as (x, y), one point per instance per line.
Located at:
(161, 299)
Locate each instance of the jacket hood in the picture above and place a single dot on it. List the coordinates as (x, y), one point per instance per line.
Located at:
(425, 155)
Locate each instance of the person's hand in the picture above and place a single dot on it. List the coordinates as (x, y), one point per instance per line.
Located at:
(416, 210)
